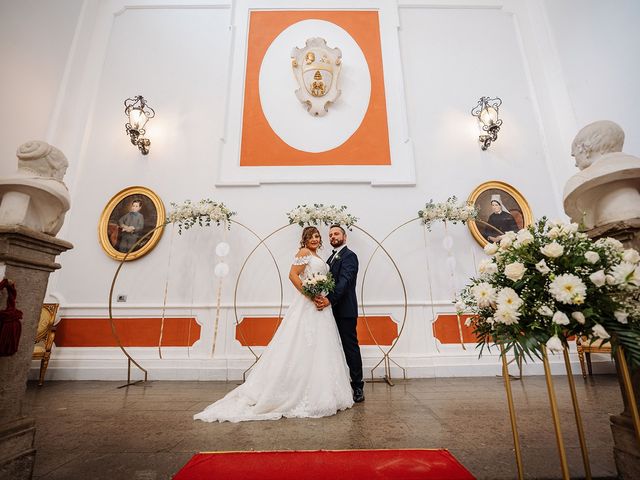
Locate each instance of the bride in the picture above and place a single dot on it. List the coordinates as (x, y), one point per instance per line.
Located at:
(303, 372)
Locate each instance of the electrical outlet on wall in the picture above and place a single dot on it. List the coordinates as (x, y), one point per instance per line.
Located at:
(121, 298)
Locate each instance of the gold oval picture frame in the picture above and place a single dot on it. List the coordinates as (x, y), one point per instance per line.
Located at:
(514, 212)
(130, 215)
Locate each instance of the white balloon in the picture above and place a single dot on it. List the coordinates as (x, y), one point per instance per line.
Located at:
(223, 249)
(451, 263)
(221, 270)
(447, 242)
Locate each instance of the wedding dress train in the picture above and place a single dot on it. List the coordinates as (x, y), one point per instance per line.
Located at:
(302, 373)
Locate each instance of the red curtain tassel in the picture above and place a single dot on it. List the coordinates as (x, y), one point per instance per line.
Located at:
(10, 326)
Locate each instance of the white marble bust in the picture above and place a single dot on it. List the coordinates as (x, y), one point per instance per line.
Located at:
(35, 196)
(607, 188)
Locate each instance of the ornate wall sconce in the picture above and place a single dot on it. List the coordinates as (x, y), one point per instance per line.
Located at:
(138, 114)
(487, 112)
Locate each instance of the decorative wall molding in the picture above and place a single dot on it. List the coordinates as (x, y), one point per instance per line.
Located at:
(83, 309)
(402, 168)
(70, 366)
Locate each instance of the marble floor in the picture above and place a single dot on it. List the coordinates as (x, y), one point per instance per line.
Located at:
(93, 430)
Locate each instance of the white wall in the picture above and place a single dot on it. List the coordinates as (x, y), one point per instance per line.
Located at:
(35, 38)
(178, 58)
(599, 46)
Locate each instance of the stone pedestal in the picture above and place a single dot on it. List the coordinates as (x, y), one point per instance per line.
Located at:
(28, 258)
(626, 450)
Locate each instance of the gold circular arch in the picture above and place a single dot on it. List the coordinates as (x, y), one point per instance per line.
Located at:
(261, 242)
(385, 354)
(114, 331)
(235, 292)
(385, 357)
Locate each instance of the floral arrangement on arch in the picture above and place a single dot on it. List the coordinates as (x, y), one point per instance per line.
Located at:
(549, 282)
(203, 213)
(451, 210)
(321, 214)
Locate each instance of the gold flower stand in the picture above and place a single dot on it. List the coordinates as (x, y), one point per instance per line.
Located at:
(555, 416)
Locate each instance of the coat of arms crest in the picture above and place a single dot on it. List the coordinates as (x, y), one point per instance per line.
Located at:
(317, 68)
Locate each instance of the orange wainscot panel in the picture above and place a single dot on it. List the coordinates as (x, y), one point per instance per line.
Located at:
(447, 330)
(381, 330)
(258, 331)
(133, 332)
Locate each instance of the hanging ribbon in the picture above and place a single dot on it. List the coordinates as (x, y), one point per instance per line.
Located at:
(451, 265)
(190, 317)
(433, 311)
(222, 250)
(166, 290)
(189, 333)
(217, 320)
(473, 257)
(10, 326)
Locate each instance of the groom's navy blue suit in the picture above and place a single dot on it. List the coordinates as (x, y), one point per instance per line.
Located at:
(344, 268)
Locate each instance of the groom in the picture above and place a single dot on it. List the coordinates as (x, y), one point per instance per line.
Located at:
(343, 264)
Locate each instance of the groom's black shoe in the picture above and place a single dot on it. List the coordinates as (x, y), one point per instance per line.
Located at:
(358, 395)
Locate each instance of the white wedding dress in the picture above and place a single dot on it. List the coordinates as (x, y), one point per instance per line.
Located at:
(302, 373)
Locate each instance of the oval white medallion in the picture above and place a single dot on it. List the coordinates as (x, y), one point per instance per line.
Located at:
(287, 116)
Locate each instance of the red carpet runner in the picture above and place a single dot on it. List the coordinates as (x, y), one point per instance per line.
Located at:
(323, 464)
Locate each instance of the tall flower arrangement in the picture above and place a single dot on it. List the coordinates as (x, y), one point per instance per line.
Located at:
(451, 210)
(549, 282)
(203, 213)
(321, 214)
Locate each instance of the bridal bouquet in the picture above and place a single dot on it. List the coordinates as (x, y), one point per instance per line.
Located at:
(549, 282)
(318, 284)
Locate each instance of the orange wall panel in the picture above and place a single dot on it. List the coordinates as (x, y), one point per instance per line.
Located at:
(446, 329)
(258, 331)
(369, 145)
(133, 332)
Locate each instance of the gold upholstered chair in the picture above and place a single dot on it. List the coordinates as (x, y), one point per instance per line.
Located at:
(586, 348)
(44, 337)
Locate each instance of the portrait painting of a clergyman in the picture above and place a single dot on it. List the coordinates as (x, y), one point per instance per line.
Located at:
(127, 220)
(501, 209)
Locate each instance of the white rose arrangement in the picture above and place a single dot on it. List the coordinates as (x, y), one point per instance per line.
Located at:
(321, 214)
(450, 210)
(203, 213)
(318, 284)
(549, 282)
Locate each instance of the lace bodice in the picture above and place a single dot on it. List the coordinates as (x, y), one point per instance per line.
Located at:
(314, 265)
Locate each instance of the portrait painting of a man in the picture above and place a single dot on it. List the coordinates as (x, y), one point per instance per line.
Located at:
(126, 221)
(130, 226)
